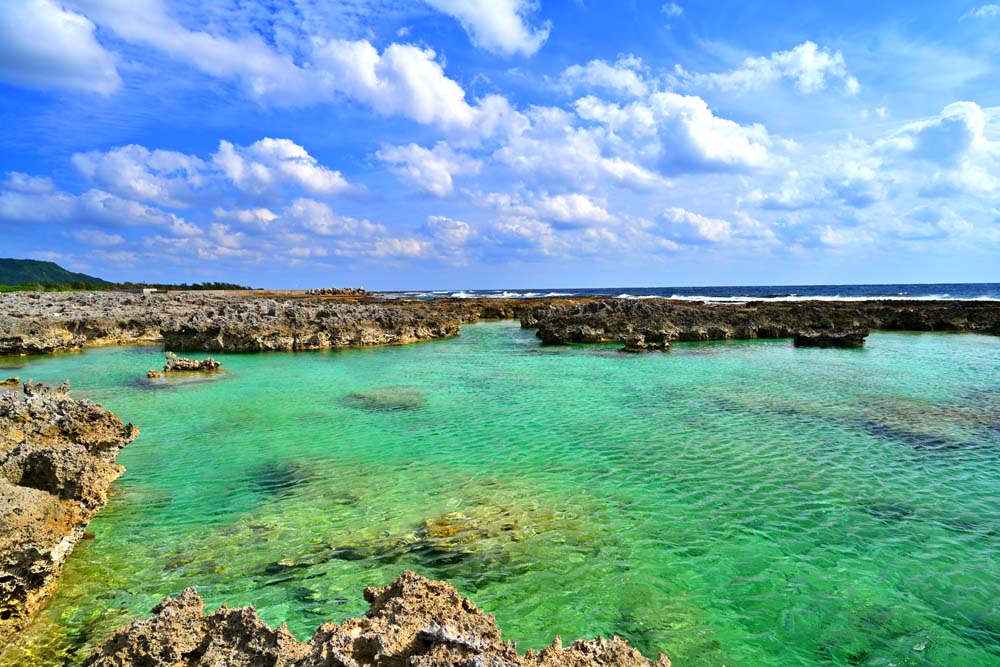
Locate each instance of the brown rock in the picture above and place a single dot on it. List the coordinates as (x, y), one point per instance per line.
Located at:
(56, 464)
(411, 622)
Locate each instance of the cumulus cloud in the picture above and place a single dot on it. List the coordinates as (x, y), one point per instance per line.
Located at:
(691, 227)
(135, 172)
(265, 163)
(448, 231)
(44, 45)
(318, 218)
(672, 9)
(624, 76)
(402, 80)
(430, 170)
(94, 207)
(808, 65)
(500, 26)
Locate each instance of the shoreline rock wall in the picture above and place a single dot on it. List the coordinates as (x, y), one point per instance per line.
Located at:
(44, 323)
(657, 321)
(57, 460)
(412, 621)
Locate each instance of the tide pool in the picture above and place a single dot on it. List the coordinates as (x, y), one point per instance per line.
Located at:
(730, 503)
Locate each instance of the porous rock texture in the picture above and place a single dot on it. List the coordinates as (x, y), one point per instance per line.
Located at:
(657, 320)
(47, 322)
(411, 622)
(57, 460)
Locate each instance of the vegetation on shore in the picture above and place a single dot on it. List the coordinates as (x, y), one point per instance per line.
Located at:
(30, 275)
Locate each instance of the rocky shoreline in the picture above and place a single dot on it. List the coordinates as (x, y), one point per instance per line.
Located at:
(57, 461)
(412, 621)
(45, 323)
(657, 322)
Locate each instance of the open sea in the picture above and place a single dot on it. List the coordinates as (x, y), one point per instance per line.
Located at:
(739, 503)
(731, 294)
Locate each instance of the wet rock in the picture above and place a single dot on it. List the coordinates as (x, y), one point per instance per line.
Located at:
(834, 338)
(153, 373)
(10, 382)
(56, 463)
(638, 343)
(177, 364)
(412, 621)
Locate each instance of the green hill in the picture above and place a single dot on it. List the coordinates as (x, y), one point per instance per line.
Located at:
(33, 272)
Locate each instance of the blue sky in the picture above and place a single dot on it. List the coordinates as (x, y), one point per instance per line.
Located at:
(445, 144)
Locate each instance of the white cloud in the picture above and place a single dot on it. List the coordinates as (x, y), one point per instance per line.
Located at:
(429, 169)
(689, 227)
(96, 237)
(499, 26)
(22, 182)
(265, 163)
(985, 11)
(408, 248)
(571, 209)
(694, 138)
(317, 218)
(624, 76)
(807, 64)
(135, 172)
(402, 80)
(44, 45)
(672, 9)
(449, 232)
(257, 218)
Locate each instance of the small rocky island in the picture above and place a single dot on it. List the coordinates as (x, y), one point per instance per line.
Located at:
(57, 461)
(412, 621)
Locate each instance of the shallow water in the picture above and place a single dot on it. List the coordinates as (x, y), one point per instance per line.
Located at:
(741, 503)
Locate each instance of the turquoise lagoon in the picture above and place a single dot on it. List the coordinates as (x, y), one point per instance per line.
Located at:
(738, 503)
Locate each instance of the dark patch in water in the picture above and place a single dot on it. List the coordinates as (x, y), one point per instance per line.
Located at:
(887, 510)
(914, 439)
(277, 478)
(386, 399)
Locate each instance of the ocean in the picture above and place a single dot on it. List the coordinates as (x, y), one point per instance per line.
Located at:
(731, 294)
(728, 503)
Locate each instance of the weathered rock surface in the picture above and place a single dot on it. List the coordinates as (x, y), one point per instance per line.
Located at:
(177, 364)
(43, 323)
(664, 320)
(413, 621)
(57, 460)
(834, 338)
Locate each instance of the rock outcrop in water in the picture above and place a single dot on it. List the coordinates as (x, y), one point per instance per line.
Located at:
(657, 320)
(412, 621)
(177, 364)
(57, 460)
(834, 338)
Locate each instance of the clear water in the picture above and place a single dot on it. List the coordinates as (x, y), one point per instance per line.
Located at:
(740, 503)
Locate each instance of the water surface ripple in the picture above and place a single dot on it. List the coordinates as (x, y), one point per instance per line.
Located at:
(742, 503)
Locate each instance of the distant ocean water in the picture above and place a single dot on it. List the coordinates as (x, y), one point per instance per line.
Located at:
(736, 293)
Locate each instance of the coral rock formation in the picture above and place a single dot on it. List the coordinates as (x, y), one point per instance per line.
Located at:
(412, 621)
(57, 460)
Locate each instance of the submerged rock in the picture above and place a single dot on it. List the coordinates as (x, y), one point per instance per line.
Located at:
(831, 338)
(412, 621)
(153, 374)
(57, 460)
(387, 399)
(177, 364)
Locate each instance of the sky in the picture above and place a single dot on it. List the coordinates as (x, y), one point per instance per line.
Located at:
(464, 144)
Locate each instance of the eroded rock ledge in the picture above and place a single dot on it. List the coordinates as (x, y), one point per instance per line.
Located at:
(57, 460)
(832, 323)
(413, 621)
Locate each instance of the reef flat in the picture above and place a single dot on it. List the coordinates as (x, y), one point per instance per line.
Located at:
(57, 460)
(412, 621)
(44, 323)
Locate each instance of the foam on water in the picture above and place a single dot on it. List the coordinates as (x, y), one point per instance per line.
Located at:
(730, 503)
